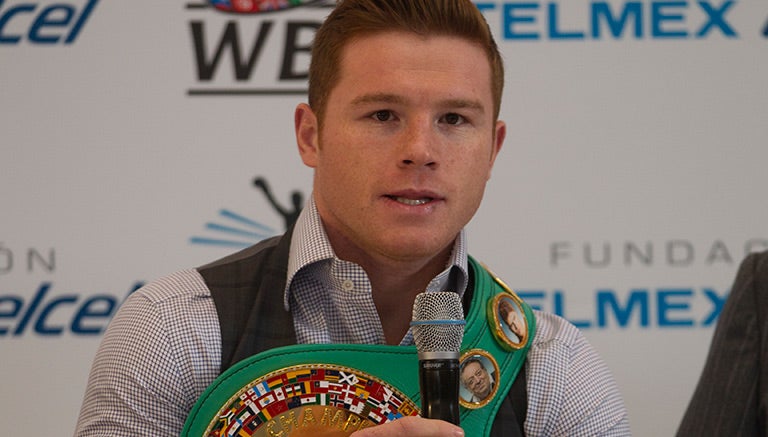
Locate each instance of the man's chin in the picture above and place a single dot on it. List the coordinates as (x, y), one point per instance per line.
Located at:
(412, 252)
(415, 244)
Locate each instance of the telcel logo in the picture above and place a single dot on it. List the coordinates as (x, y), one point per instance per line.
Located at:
(52, 24)
(55, 315)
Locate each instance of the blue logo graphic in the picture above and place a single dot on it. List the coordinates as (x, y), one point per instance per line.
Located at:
(52, 315)
(536, 20)
(47, 25)
(240, 232)
(636, 307)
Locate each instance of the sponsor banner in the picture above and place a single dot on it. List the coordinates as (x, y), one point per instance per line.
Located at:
(140, 138)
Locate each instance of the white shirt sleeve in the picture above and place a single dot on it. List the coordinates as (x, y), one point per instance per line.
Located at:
(571, 391)
(159, 353)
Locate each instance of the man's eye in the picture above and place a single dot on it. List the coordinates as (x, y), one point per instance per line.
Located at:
(453, 118)
(382, 115)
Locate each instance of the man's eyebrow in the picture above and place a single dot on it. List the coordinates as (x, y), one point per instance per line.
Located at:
(378, 98)
(464, 104)
(396, 99)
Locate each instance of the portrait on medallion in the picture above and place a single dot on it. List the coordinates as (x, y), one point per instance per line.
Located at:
(478, 379)
(512, 320)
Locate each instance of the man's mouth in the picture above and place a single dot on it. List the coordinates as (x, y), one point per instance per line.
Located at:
(411, 202)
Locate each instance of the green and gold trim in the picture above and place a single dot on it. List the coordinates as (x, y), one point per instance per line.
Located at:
(335, 389)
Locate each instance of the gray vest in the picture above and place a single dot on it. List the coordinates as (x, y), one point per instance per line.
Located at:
(247, 289)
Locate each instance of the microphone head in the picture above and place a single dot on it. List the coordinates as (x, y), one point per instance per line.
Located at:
(438, 322)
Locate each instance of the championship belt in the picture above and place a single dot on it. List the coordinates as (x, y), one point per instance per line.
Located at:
(335, 389)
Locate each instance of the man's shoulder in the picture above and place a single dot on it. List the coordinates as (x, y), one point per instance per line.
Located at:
(195, 282)
(270, 254)
(558, 340)
(757, 261)
(751, 277)
(181, 284)
(551, 328)
(256, 250)
(570, 386)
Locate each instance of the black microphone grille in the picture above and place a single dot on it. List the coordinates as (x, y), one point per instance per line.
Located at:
(438, 322)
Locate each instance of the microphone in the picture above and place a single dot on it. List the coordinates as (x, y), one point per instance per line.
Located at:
(438, 327)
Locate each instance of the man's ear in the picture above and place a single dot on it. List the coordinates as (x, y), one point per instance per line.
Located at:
(500, 132)
(306, 126)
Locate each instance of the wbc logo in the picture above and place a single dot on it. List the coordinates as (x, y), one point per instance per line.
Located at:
(263, 50)
(257, 6)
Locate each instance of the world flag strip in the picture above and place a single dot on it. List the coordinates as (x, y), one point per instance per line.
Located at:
(342, 388)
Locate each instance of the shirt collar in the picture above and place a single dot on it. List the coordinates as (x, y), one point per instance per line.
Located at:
(310, 244)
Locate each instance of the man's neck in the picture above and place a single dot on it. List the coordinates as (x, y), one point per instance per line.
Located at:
(394, 283)
(394, 291)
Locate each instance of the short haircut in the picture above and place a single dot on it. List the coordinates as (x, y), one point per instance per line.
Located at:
(356, 18)
(469, 361)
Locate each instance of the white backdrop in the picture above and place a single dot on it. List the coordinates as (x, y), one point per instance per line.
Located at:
(625, 196)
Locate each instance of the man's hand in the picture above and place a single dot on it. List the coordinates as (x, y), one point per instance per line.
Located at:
(412, 426)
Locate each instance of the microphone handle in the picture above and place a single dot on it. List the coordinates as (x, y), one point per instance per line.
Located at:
(439, 385)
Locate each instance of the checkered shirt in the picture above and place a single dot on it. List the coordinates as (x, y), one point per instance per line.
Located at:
(331, 299)
(163, 348)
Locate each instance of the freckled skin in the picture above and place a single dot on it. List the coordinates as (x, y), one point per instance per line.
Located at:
(422, 131)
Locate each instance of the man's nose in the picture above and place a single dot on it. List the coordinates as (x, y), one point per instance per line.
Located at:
(419, 145)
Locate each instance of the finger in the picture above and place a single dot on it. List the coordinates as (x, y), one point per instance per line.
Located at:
(413, 427)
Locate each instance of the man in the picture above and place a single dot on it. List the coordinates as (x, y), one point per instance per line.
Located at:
(731, 397)
(475, 377)
(402, 131)
(511, 319)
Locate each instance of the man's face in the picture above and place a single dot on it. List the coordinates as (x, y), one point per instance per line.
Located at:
(406, 146)
(476, 379)
(511, 318)
(514, 323)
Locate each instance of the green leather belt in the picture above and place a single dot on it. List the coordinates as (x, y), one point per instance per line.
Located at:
(335, 389)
